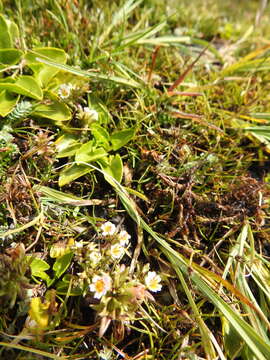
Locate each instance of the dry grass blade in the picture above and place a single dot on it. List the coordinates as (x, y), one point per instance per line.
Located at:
(188, 69)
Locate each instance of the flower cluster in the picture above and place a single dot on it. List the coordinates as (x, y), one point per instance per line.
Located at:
(116, 293)
(120, 241)
(65, 90)
(87, 115)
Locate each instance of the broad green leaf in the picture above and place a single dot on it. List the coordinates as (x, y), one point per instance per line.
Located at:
(104, 116)
(44, 73)
(38, 265)
(38, 268)
(56, 111)
(49, 53)
(69, 151)
(24, 85)
(67, 145)
(7, 102)
(101, 135)
(112, 166)
(13, 30)
(62, 264)
(72, 172)
(88, 153)
(121, 138)
(10, 56)
(5, 36)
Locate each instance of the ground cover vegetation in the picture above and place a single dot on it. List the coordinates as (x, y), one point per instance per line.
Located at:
(134, 167)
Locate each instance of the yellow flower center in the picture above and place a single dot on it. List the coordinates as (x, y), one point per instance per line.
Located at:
(99, 285)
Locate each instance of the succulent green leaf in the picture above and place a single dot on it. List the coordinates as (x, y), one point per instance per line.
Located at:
(24, 85)
(44, 73)
(38, 268)
(101, 135)
(56, 111)
(52, 53)
(67, 145)
(10, 56)
(72, 172)
(61, 264)
(7, 102)
(13, 30)
(121, 138)
(88, 152)
(104, 116)
(113, 166)
(5, 36)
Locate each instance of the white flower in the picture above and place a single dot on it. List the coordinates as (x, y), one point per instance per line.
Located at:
(124, 237)
(90, 114)
(100, 285)
(78, 244)
(86, 114)
(94, 257)
(82, 275)
(64, 91)
(117, 251)
(108, 228)
(152, 281)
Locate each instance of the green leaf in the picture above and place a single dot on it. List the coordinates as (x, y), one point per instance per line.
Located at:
(49, 53)
(5, 36)
(61, 264)
(63, 287)
(38, 268)
(10, 56)
(121, 138)
(13, 30)
(7, 102)
(44, 73)
(233, 343)
(38, 265)
(56, 111)
(67, 145)
(114, 167)
(24, 85)
(72, 172)
(104, 116)
(101, 135)
(89, 152)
